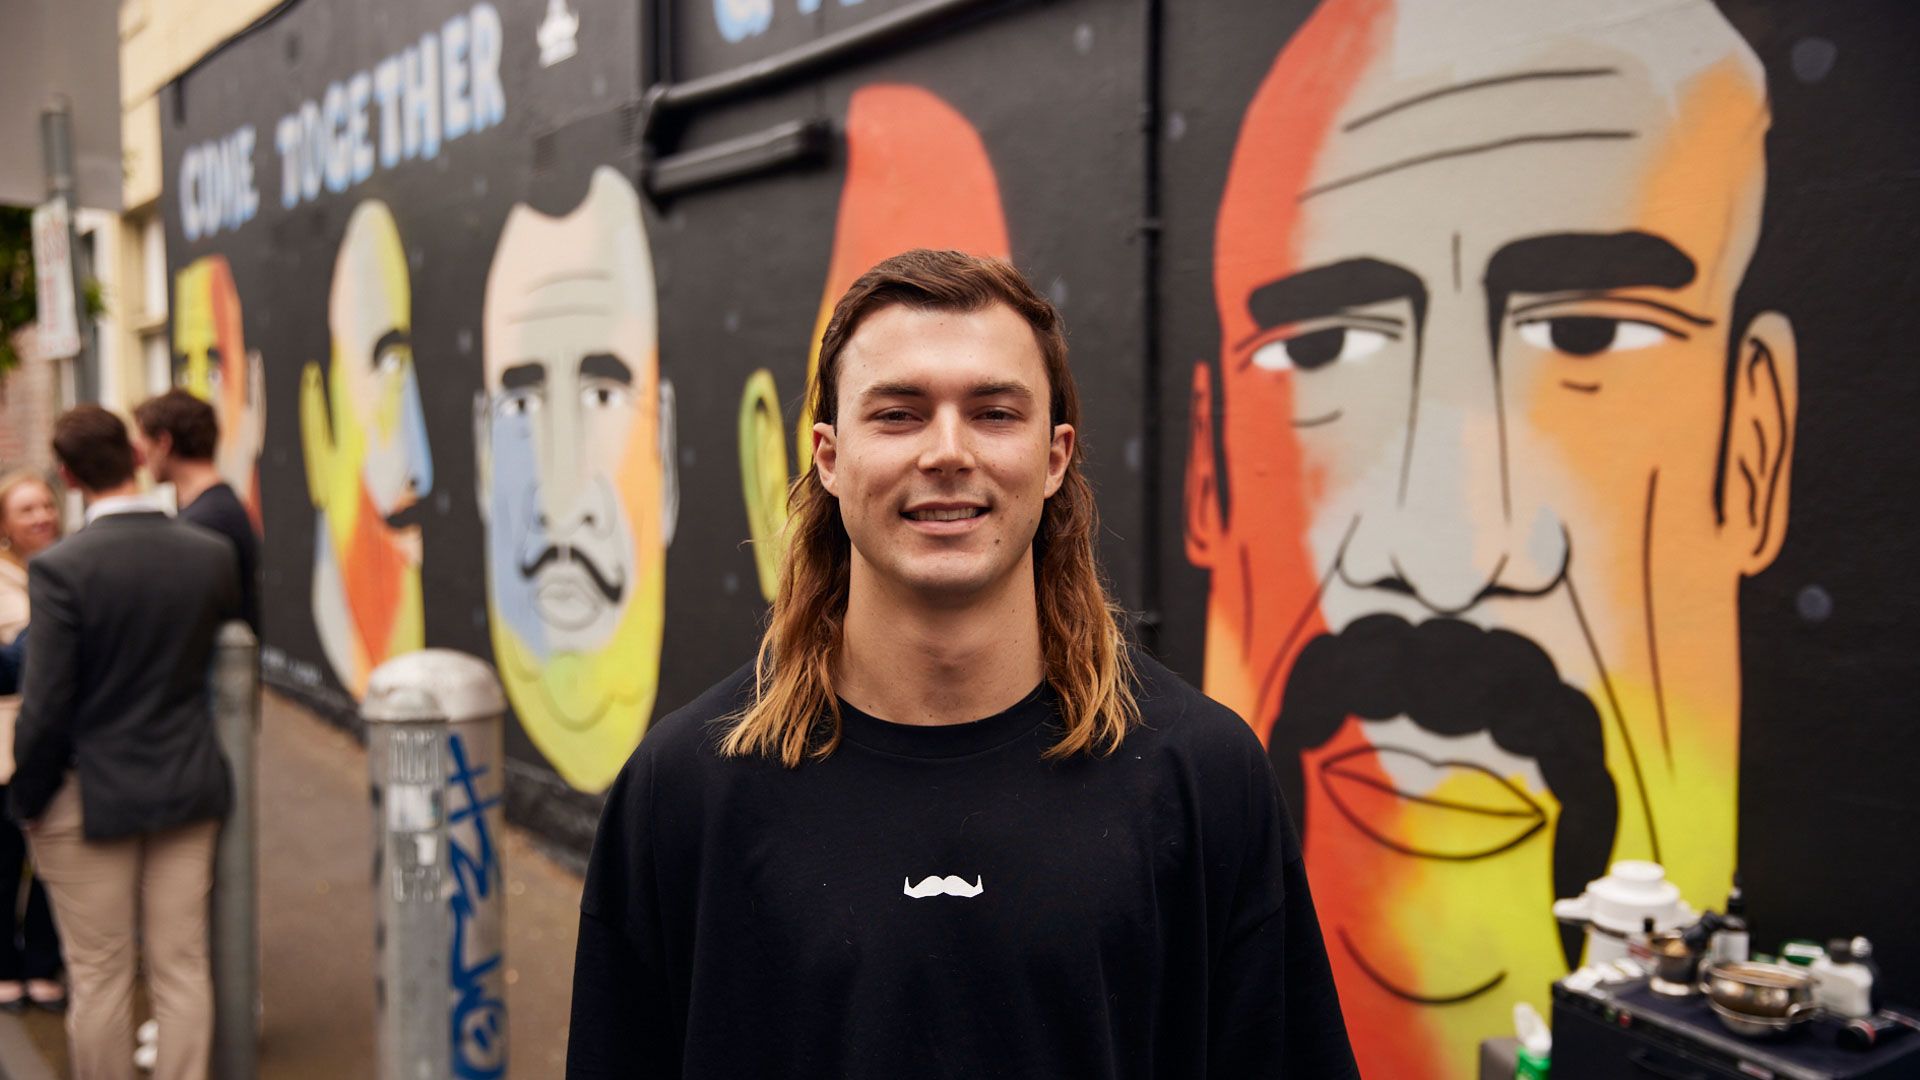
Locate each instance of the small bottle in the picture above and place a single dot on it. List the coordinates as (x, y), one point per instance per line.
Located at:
(1731, 942)
(1533, 1060)
(1842, 984)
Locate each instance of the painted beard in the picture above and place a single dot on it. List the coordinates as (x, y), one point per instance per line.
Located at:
(1452, 678)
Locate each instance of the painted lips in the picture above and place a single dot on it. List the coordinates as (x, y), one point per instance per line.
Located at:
(1472, 813)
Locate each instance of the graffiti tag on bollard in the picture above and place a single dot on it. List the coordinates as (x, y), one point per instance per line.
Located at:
(479, 1036)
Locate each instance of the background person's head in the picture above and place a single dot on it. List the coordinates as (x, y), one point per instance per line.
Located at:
(211, 361)
(942, 391)
(575, 445)
(176, 427)
(93, 450)
(29, 515)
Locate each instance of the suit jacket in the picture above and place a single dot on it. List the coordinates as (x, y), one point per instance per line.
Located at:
(126, 614)
(10, 655)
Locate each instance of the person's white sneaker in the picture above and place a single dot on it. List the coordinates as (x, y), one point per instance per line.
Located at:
(147, 1054)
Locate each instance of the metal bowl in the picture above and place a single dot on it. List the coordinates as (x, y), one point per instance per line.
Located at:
(1757, 1000)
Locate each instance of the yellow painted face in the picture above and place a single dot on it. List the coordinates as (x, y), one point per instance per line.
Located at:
(574, 431)
(1475, 269)
(212, 363)
(368, 462)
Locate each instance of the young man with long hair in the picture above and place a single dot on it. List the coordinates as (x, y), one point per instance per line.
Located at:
(948, 824)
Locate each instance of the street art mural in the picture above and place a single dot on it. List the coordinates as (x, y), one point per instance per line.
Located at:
(1488, 448)
(575, 460)
(917, 176)
(364, 440)
(1498, 404)
(211, 361)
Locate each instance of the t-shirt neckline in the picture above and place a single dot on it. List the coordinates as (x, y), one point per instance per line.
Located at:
(947, 740)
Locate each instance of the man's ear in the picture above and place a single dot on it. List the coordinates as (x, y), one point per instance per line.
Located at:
(669, 443)
(1760, 433)
(482, 451)
(1203, 487)
(825, 456)
(1059, 456)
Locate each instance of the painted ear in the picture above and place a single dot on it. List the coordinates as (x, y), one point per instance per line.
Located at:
(763, 476)
(316, 433)
(1760, 430)
(256, 419)
(482, 451)
(669, 445)
(1203, 487)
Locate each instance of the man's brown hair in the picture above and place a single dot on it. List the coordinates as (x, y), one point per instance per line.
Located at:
(92, 444)
(187, 420)
(795, 712)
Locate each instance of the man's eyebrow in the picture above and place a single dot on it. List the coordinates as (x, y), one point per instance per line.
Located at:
(1336, 287)
(606, 366)
(388, 340)
(530, 375)
(892, 389)
(1587, 262)
(1003, 388)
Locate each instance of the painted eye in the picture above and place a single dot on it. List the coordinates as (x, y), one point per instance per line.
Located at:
(604, 396)
(519, 405)
(1589, 335)
(389, 361)
(1318, 348)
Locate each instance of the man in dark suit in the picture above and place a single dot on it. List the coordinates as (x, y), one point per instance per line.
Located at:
(119, 774)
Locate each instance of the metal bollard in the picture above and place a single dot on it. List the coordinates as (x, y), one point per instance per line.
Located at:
(434, 729)
(236, 914)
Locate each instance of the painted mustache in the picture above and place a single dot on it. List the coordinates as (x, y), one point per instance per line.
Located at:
(944, 886)
(612, 590)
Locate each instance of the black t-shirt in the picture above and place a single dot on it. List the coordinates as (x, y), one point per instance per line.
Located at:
(219, 509)
(942, 902)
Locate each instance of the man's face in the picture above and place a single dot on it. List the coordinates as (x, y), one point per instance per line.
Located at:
(575, 486)
(1476, 306)
(943, 453)
(379, 430)
(212, 363)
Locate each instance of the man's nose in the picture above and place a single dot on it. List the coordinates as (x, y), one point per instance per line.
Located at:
(1442, 523)
(947, 448)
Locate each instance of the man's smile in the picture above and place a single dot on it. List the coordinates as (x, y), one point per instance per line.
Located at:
(945, 518)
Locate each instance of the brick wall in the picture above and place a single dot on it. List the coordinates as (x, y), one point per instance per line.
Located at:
(29, 400)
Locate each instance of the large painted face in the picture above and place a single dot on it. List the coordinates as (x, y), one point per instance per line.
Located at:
(1475, 271)
(364, 439)
(575, 437)
(211, 361)
(379, 431)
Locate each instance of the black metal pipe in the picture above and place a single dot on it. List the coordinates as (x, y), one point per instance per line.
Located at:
(834, 50)
(1151, 488)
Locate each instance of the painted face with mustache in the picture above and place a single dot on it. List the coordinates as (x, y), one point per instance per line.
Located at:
(574, 438)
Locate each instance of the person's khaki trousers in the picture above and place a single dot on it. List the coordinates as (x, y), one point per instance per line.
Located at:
(98, 889)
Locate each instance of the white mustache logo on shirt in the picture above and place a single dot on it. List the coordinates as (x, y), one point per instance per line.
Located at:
(943, 886)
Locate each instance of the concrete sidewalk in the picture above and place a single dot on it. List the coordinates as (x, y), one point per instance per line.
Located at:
(316, 924)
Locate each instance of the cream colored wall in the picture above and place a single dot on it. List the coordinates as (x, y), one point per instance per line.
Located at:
(159, 39)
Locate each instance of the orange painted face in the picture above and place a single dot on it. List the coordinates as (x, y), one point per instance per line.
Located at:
(1474, 444)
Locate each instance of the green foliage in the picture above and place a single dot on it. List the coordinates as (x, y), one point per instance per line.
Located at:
(17, 298)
